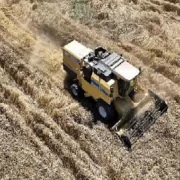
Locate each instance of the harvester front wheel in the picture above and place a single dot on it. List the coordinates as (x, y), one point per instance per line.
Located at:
(105, 110)
(76, 90)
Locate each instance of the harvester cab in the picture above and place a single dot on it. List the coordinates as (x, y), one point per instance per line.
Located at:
(111, 81)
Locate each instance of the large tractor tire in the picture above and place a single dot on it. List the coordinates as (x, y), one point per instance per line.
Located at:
(105, 111)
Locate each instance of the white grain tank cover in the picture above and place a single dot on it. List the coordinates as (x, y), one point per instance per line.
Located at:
(77, 49)
(126, 71)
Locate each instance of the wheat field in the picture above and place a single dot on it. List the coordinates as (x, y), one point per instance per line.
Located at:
(44, 132)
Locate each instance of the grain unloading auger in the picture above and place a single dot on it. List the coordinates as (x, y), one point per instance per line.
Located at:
(111, 81)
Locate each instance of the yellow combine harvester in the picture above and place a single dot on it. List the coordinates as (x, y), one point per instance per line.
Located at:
(111, 81)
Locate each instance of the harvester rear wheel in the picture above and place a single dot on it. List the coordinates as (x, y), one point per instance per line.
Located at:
(76, 91)
(105, 110)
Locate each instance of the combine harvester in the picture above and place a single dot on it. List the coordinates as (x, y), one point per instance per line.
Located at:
(111, 81)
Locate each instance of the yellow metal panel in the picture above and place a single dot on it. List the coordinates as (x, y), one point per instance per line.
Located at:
(90, 89)
(94, 91)
(73, 64)
(101, 82)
